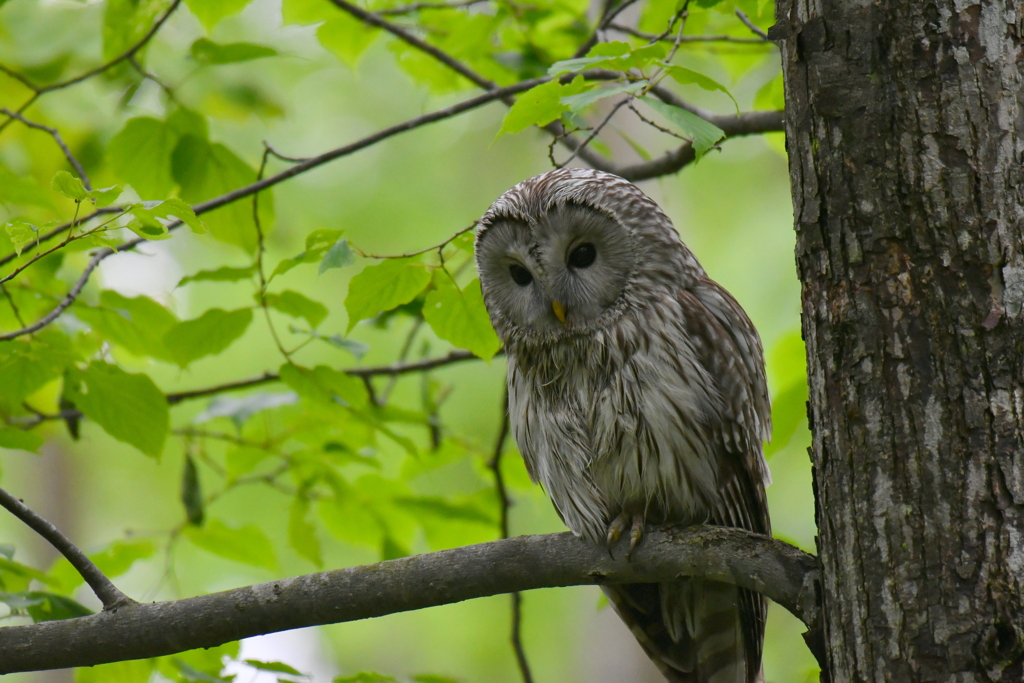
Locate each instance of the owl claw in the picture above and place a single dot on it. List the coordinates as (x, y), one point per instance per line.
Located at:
(615, 530)
(636, 534)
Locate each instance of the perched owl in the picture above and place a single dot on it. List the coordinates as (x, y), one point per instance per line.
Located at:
(637, 395)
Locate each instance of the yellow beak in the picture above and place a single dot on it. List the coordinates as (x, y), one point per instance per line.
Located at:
(559, 310)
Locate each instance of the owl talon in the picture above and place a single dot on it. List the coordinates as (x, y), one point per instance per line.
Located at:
(615, 530)
(636, 534)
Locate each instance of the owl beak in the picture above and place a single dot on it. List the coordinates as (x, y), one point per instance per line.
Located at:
(559, 310)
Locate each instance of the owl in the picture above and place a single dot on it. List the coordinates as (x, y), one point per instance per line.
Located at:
(637, 396)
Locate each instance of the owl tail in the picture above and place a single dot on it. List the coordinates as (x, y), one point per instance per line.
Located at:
(695, 630)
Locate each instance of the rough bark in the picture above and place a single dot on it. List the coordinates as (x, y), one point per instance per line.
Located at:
(904, 122)
(782, 572)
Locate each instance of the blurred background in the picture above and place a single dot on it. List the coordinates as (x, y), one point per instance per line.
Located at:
(732, 208)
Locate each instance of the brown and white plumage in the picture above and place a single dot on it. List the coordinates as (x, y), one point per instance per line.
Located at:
(636, 394)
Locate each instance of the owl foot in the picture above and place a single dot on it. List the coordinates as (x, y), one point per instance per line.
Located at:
(619, 524)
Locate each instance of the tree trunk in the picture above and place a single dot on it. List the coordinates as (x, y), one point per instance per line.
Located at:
(904, 127)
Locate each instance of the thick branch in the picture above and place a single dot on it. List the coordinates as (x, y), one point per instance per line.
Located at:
(780, 571)
(106, 591)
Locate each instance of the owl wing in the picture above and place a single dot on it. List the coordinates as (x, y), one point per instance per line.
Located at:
(729, 348)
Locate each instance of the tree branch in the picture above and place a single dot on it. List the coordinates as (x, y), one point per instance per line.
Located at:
(106, 591)
(55, 134)
(776, 569)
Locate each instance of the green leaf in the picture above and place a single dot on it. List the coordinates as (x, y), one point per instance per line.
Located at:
(684, 76)
(459, 316)
(133, 671)
(26, 366)
(302, 534)
(445, 510)
(115, 560)
(275, 667)
(68, 185)
(540, 105)
(325, 385)
(703, 133)
(617, 56)
(245, 544)
(15, 577)
(21, 234)
(207, 335)
(182, 211)
(222, 274)
(338, 256)
(105, 196)
(192, 493)
(365, 677)
(127, 406)
(305, 12)
(140, 155)
(138, 324)
(772, 95)
(205, 51)
(384, 286)
(789, 413)
(357, 348)
(126, 22)
(144, 223)
(20, 439)
(241, 409)
(51, 607)
(17, 189)
(190, 673)
(297, 306)
(205, 170)
(242, 461)
(433, 678)
(346, 37)
(585, 99)
(318, 243)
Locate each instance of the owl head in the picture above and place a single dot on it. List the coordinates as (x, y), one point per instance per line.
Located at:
(567, 252)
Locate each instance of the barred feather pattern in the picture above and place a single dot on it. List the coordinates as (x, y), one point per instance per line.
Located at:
(656, 407)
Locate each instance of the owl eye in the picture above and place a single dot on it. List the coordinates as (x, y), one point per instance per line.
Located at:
(521, 276)
(583, 256)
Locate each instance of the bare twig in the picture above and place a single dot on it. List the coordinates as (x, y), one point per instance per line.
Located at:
(722, 38)
(55, 134)
(597, 129)
(168, 90)
(259, 257)
(400, 32)
(106, 591)
(608, 14)
(265, 378)
(784, 574)
(751, 25)
(505, 502)
(417, 6)
(14, 306)
(410, 254)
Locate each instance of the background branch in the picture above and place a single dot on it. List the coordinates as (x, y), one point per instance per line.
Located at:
(780, 571)
(106, 591)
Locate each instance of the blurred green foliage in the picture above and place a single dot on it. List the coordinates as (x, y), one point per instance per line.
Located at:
(197, 408)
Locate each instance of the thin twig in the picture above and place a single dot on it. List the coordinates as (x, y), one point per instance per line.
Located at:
(608, 14)
(417, 6)
(505, 502)
(751, 25)
(259, 258)
(55, 134)
(399, 32)
(168, 90)
(265, 378)
(106, 591)
(722, 38)
(597, 129)
(14, 306)
(410, 254)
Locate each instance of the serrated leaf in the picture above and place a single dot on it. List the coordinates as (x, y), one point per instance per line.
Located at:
(68, 185)
(617, 56)
(246, 544)
(192, 493)
(540, 105)
(205, 51)
(209, 334)
(302, 534)
(585, 99)
(127, 406)
(297, 305)
(140, 155)
(384, 286)
(43, 606)
(241, 409)
(703, 133)
(318, 243)
(137, 324)
(21, 234)
(338, 256)
(684, 76)
(460, 317)
(222, 274)
(105, 196)
(20, 439)
(26, 366)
